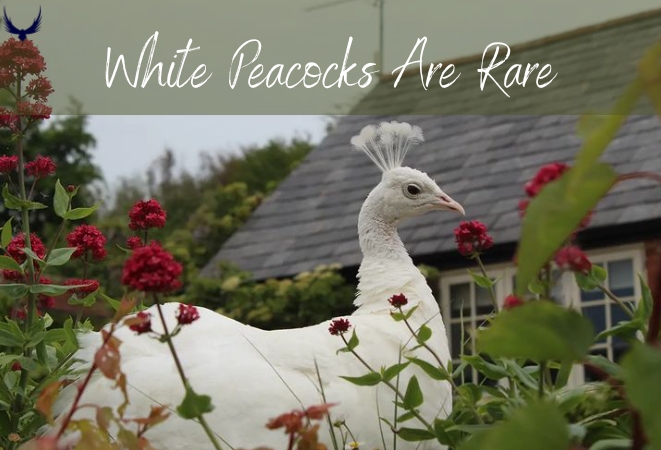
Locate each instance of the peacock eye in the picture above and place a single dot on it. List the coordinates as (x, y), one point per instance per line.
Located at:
(412, 189)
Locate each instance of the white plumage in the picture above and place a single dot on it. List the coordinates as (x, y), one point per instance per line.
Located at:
(236, 364)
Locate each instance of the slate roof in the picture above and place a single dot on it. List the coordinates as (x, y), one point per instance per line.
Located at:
(481, 161)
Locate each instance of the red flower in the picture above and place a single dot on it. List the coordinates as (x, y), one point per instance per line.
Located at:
(87, 238)
(545, 175)
(144, 326)
(19, 313)
(13, 276)
(41, 167)
(471, 237)
(71, 188)
(152, 269)
(147, 214)
(339, 326)
(16, 366)
(8, 163)
(572, 258)
(187, 314)
(134, 242)
(21, 58)
(398, 300)
(512, 301)
(17, 244)
(34, 111)
(45, 301)
(39, 88)
(292, 422)
(88, 286)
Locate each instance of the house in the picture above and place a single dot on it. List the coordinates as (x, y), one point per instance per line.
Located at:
(482, 161)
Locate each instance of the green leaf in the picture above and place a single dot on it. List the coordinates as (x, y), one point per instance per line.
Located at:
(406, 416)
(60, 256)
(88, 300)
(415, 434)
(13, 202)
(394, 370)
(399, 316)
(80, 213)
(10, 334)
(641, 368)
(481, 280)
(9, 263)
(5, 236)
(625, 330)
(538, 426)
(490, 370)
(611, 444)
(60, 200)
(431, 370)
(555, 213)
(537, 330)
(598, 273)
(413, 396)
(371, 379)
(34, 256)
(644, 307)
(423, 335)
(114, 304)
(352, 344)
(194, 405)
(52, 289)
(14, 290)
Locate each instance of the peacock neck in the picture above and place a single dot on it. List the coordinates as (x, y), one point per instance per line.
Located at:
(377, 234)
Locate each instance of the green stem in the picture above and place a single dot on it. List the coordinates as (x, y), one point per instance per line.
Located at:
(492, 294)
(440, 363)
(390, 385)
(616, 299)
(168, 339)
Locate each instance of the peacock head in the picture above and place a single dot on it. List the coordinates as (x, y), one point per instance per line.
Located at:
(403, 192)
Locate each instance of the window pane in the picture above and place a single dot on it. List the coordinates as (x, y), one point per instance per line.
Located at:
(620, 277)
(597, 315)
(483, 302)
(458, 339)
(460, 295)
(618, 315)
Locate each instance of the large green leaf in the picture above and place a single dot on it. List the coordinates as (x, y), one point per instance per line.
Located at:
(9, 263)
(641, 369)
(538, 426)
(5, 236)
(554, 214)
(537, 330)
(60, 200)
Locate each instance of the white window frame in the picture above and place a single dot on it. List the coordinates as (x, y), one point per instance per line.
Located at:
(571, 294)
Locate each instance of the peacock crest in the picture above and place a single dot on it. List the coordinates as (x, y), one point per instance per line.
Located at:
(386, 144)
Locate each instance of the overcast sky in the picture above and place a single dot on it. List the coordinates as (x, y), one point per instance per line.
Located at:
(126, 145)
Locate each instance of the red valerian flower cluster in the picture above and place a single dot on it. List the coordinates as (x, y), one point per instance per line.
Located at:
(17, 244)
(512, 301)
(144, 325)
(293, 421)
(8, 164)
(151, 268)
(187, 314)
(86, 286)
(87, 238)
(133, 242)
(339, 326)
(18, 61)
(147, 214)
(472, 238)
(40, 167)
(572, 258)
(398, 300)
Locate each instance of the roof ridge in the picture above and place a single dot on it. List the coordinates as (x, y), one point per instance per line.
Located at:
(588, 29)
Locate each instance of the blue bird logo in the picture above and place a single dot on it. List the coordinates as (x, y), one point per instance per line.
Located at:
(22, 34)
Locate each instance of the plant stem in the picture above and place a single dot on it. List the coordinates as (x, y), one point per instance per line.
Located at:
(440, 363)
(390, 385)
(492, 294)
(82, 387)
(616, 299)
(168, 339)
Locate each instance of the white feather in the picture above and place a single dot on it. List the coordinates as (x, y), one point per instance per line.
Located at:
(387, 144)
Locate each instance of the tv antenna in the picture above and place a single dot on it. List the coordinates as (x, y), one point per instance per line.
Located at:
(377, 3)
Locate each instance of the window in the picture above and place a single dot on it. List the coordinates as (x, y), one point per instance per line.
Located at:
(465, 305)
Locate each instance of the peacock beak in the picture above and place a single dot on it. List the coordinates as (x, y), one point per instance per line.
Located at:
(445, 202)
